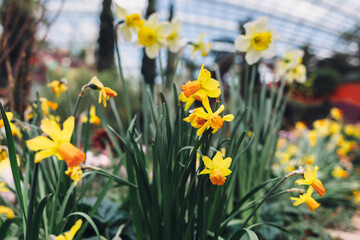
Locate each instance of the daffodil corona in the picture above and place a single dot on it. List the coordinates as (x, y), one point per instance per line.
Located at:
(218, 168)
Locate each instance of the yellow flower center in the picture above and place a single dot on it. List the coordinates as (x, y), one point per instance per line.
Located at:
(71, 154)
(3, 155)
(146, 36)
(190, 88)
(217, 178)
(261, 41)
(134, 20)
(172, 36)
(216, 121)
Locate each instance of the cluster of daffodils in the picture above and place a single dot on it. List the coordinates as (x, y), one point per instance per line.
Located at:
(153, 34)
(205, 118)
(291, 68)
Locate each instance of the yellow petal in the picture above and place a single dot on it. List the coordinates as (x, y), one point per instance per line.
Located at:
(202, 129)
(226, 163)
(226, 172)
(302, 182)
(297, 202)
(92, 110)
(200, 112)
(209, 84)
(204, 74)
(206, 105)
(68, 128)
(213, 93)
(208, 163)
(205, 171)
(228, 117)
(220, 109)
(51, 128)
(189, 102)
(97, 82)
(218, 160)
(40, 143)
(44, 154)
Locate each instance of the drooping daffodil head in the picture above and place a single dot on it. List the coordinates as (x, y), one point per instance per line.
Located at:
(307, 199)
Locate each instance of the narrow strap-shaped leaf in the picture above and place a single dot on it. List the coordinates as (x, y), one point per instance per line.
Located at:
(281, 228)
(4, 227)
(238, 234)
(38, 212)
(13, 160)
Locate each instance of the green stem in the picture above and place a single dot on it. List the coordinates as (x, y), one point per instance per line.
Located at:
(162, 73)
(53, 207)
(262, 201)
(31, 203)
(122, 79)
(77, 105)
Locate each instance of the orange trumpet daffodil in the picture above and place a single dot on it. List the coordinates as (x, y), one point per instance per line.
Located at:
(306, 198)
(58, 144)
(204, 120)
(93, 118)
(14, 129)
(200, 89)
(311, 179)
(57, 87)
(105, 92)
(218, 168)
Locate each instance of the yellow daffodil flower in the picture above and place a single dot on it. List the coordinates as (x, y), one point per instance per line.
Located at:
(300, 126)
(291, 67)
(57, 87)
(93, 118)
(337, 114)
(173, 40)
(356, 195)
(352, 130)
(71, 234)
(195, 119)
(213, 119)
(218, 168)
(311, 179)
(153, 35)
(339, 172)
(8, 212)
(75, 173)
(258, 41)
(290, 168)
(289, 60)
(200, 89)
(131, 21)
(298, 74)
(306, 198)
(312, 138)
(105, 92)
(59, 144)
(309, 160)
(3, 187)
(46, 105)
(200, 46)
(14, 129)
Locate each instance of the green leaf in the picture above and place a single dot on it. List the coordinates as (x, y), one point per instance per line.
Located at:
(240, 235)
(4, 228)
(38, 212)
(13, 160)
(281, 228)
